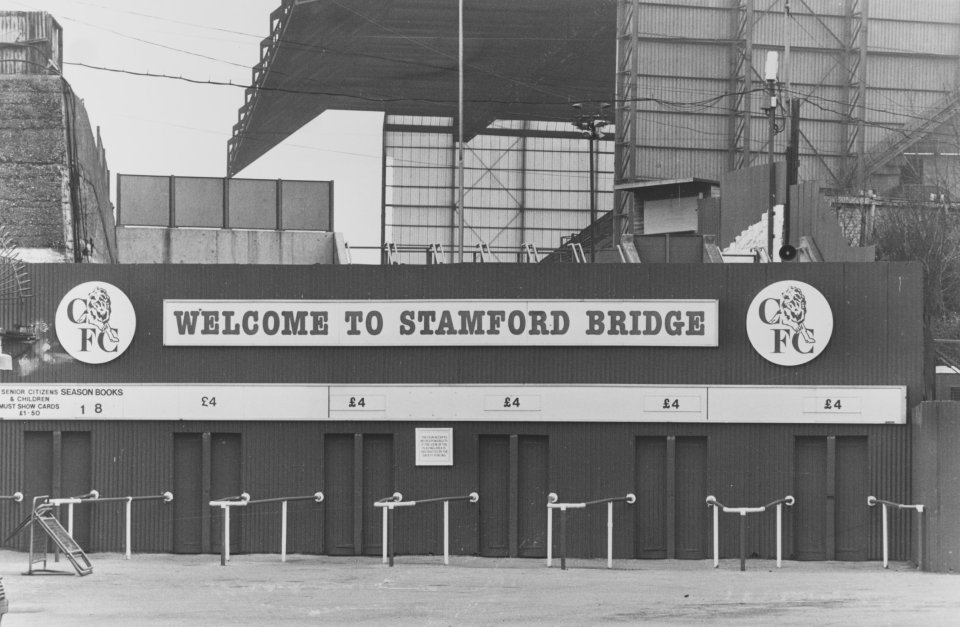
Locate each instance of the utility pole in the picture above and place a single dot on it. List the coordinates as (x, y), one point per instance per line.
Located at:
(591, 126)
(460, 211)
(787, 251)
(770, 75)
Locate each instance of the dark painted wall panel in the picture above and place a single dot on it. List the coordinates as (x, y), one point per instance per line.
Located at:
(747, 465)
(877, 337)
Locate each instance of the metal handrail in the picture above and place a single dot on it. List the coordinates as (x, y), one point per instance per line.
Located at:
(93, 496)
(872, 500)
(553, 503)
(743, 511)
(387, 504)
(243, 500)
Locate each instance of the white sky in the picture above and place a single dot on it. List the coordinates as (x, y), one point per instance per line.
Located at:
(163, 126)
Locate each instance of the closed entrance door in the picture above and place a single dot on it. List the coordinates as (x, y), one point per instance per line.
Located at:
(358, 470)
(225, 481)
(853, 517)
(513, 503)
(58, 464)
(810, 491)
(494, 505)
(652, 494)
(205, 467)
(532, 482)
(692, 515)
(189, 508)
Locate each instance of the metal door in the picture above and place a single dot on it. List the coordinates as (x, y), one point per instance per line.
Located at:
(532, 489)
(58, 464)
(692, 515)
(651, 491)
(494, 505)
(852, 513)
(38, 473)
(225, 481)
(75, 469)
(810, 491)
(338, 506)
(188, 506)
(377, 483)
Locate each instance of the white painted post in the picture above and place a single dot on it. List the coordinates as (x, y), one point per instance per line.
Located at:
(716, 536)
(549, 536)
(384, 534)
(226, 532)
(885, 553)
(446, 533)
(128, 508)
(610, 534)
(283, 532)
(779, 534)
(551, 498)
(70, 519)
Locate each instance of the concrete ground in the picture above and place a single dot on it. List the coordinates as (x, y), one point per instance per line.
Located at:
(306, 590)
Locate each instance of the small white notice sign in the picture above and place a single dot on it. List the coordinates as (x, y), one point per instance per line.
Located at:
(434, 447)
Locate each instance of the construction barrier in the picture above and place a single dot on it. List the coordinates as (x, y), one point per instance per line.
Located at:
(872, 500)
(743, 511)
(552, 504)
(388, 504)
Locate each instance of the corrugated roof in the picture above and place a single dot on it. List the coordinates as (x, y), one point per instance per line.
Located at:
(523, 59)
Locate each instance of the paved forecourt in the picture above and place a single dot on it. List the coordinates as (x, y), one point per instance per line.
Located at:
(259, 589)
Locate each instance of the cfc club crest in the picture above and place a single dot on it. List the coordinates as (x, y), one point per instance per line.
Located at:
(95, 322)
(789, 323)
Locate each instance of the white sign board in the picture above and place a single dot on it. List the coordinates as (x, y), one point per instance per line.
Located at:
(673, 323)
(434, 447)
(456, 403)
(163, 402)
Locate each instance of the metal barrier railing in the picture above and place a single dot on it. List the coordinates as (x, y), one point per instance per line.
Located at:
(243, 500)
(17, 497)
(872, 500)
(317, 497)
(225, 504)
(743, 511)
(387, 504)
(552, 504)
(93, 496)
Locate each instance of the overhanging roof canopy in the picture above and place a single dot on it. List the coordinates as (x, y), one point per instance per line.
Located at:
(523, 59)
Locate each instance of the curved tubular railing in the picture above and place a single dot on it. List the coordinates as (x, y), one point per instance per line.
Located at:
(552, 504)
(316, 497)
(225, 504)
(387, 504)
(70, 501)
(872, 500)
(743, 511)
(243, 500)
(93, 496)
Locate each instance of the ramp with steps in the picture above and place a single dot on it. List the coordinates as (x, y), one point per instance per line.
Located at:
(48, 522)
(45, 526)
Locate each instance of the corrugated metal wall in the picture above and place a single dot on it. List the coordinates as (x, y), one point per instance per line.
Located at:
(747, 466)
(877, 340)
